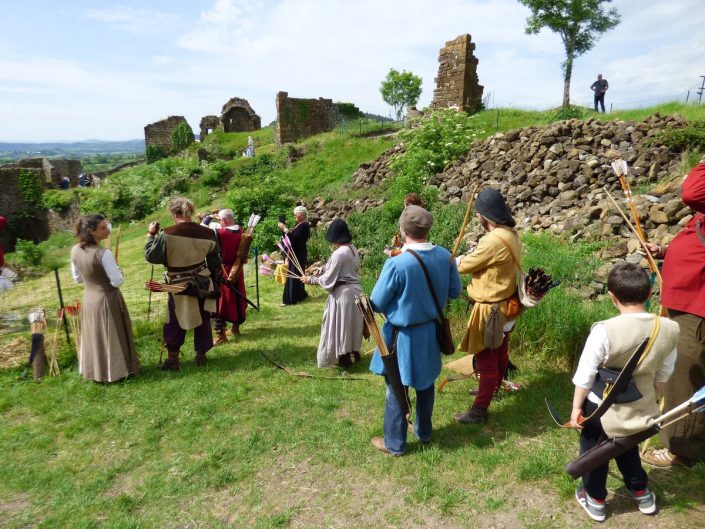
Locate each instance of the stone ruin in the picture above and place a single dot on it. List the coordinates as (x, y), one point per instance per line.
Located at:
(237, 116)
(301, 118)
(48, 172)
(457, 84)
(209, 124)
(158, 134)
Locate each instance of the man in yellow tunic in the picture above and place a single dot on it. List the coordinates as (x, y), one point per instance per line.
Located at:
(493, 266)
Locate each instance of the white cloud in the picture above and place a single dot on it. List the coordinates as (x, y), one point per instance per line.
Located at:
(132, 20)
(338, 49)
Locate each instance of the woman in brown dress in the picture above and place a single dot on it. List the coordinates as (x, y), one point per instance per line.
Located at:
(107, 351)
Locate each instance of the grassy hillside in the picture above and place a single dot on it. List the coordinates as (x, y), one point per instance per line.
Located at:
(242, 443)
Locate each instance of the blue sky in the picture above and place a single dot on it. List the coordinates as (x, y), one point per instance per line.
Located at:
(73, 70)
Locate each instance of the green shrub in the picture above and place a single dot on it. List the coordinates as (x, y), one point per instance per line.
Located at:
(28, 254)
(181, 137)
(58, 200)
(154, 153)
(348, 111)
(440, 139)
(691, 137)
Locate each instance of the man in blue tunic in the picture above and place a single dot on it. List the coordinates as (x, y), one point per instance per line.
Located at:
(402, 294)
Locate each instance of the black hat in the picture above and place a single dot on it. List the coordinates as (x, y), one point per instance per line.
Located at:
(491, 205)
(338, 232)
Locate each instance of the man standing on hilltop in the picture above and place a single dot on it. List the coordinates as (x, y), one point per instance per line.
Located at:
(600, 87)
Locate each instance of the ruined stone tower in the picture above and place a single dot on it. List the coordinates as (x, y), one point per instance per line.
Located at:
(457, 84)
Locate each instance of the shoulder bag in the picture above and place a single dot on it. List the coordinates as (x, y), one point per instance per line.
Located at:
(443, 334)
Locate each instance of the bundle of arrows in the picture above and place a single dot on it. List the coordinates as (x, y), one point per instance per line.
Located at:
(156, 286)
(538, 282)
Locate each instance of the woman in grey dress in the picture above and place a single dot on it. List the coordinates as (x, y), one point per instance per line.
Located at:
(341, 330)
(107, 351)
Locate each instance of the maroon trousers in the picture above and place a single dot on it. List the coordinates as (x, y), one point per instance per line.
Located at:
(174, 336)
(491, 365)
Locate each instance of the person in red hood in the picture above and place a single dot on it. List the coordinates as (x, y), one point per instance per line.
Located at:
(684, 296)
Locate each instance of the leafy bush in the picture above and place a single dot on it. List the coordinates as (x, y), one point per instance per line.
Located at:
(347, 111)
(216, 174)
(181, 137)
(135, 192)
(691, 137)
(28, 254)
(58, 200)
(154, 153)
(439, 140)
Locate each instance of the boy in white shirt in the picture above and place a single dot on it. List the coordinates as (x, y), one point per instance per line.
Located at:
(611, 344)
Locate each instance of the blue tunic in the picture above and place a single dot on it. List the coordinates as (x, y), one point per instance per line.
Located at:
(402, 295)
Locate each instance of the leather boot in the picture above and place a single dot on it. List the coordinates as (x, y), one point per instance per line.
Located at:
(344, 361)
(474, 415)
(200, 359)
(220, 337)
(172, 361)
(356, 356)
(235, 331)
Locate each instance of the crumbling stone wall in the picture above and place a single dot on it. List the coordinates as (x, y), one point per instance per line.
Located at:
(16, 210)
(301, 118)
(457, 84)
(48, 172)
(158, 134)
(209, 123)
(237, 116)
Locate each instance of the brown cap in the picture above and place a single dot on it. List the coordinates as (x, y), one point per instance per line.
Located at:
(415, 221)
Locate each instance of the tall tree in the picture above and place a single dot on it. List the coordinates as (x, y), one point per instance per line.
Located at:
(579, 23)
(400, 89)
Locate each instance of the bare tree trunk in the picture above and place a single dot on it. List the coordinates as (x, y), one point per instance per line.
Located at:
(567, 74)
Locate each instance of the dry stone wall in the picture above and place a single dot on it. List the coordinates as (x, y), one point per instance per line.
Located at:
(457, 84)
(553, 178)
(301, 118)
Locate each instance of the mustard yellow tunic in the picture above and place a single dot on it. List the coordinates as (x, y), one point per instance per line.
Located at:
(493, 280)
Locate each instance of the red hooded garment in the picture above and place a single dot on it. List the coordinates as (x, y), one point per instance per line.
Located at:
(684, 265)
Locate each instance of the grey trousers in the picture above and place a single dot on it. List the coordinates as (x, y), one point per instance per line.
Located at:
(686, 438)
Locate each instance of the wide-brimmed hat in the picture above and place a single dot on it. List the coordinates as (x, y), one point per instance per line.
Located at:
(338, 232)
(415, 221)
(491, 205)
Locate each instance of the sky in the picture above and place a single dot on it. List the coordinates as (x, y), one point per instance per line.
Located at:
(102, 69)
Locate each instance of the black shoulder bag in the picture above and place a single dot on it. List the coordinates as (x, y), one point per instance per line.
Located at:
(443, 334)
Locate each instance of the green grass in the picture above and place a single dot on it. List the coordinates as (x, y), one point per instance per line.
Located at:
(514, 118)
(241, 443)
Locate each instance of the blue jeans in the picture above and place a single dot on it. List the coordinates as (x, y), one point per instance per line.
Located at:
(395, 425)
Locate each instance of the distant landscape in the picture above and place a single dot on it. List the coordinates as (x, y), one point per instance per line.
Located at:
(10, 152)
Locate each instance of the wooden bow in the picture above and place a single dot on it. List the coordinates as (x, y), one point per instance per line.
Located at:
(466, 219)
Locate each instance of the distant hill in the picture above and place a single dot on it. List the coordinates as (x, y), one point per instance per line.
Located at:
(79, 149)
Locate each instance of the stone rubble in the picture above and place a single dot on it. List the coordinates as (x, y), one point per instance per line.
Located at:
(553, 177)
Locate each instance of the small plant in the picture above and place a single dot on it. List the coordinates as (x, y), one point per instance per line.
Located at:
(28, 254)
(691, 137)
(154, 153)
(57, 200)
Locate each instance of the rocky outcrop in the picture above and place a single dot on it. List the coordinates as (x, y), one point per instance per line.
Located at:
(553, 176)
